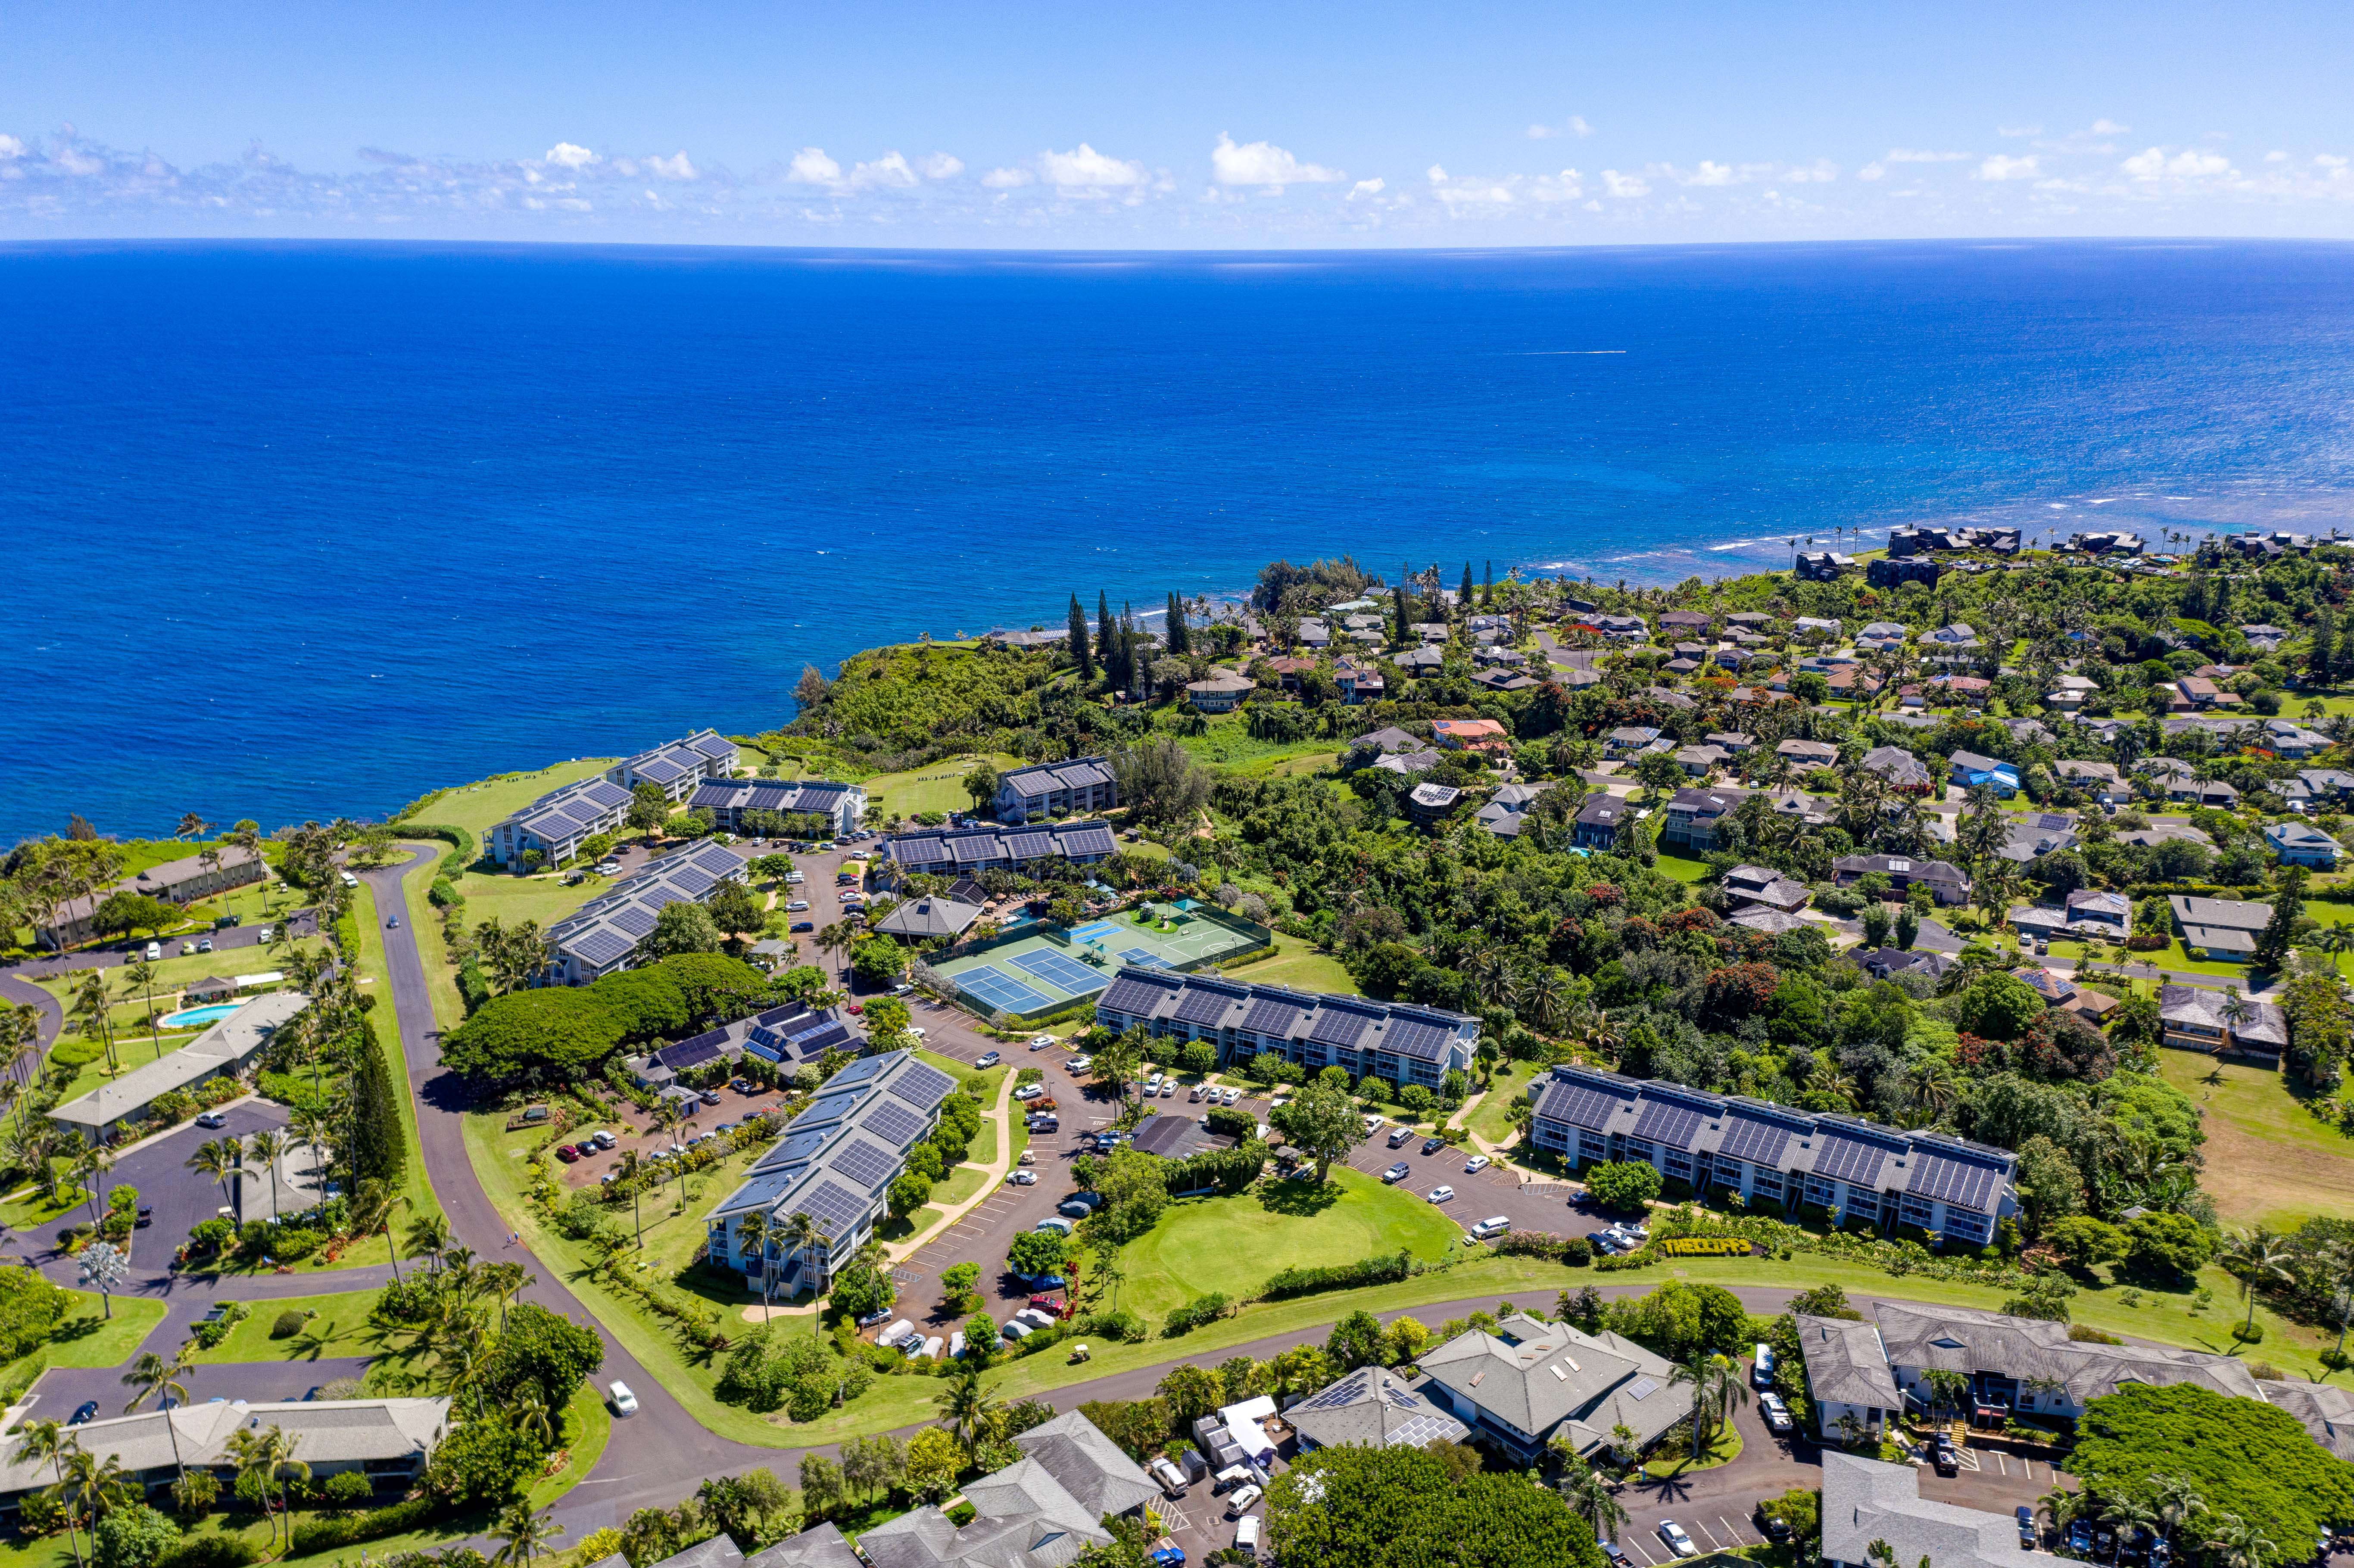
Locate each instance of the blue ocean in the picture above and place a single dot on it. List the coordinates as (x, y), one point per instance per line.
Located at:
(304, 530)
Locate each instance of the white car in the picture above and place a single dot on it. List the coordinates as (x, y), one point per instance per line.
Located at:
(1477, 1163)
(1152, 1084)
(1242, 1500)
(1232, 1096)
(1080, 1064)
(624, 1401)
(915, 1031)
(154, 951)
(1021, 1178)
(1678, 1542)
(987, 1059)
(797, 907)
(1041, 1043)
(1168, 1088)
(1031, 1092)
(1442, 1194)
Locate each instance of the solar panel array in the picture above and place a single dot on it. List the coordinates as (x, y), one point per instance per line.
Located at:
(1339, 1027)
(863, 1163)
(1419, 1038)
(820, 1038)
(1642, 1388)
(2049, 821)
(1580, 1105)
(693, 1053)
(1969, 1183)
(1347, 1391)
(834, 1205)
(1274, 1016)
(1421, 1430)
(1131, 995)
(1668, 1123)
(599, 947)
(922, 1086)
(987, 845)
(1200, 1005)
(895, 1123)
(1063, 973)
(1754, 1139)
(1849, 1160)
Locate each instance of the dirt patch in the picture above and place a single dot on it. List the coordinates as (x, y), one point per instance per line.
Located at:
(2262, 1180)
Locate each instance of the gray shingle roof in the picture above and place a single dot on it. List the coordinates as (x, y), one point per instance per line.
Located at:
(1372, 1407)
(1969, 1340)
(1865, 1501)
(1845, 1364)
(1537, 1376)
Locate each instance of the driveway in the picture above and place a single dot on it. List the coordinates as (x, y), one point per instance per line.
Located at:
(181, 1196)
(63, 1389)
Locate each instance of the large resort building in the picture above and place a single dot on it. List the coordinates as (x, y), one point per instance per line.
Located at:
(729, 800)
(676, 769)
(965, 851)
(604, 935)
(835, 1163)
(1056, 790)
(553, 826)
(1401, 1042)
(1770, 1153)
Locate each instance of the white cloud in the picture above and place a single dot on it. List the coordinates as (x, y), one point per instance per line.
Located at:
(2018, 130)
(1007, 179)
(2107, 127)
(1710, 172)
(811, 166)
(1916, 155)
(2328, 161)
(2275, 156)
(11, 148)
(569, 155)
(890, 169)
(1084, 168)
(2001, 166)
(1265, 163)
(1618, 185)
(675, 167)
(1822, 171)
(941, 166)
(1575, 125)
(1474, 194)
(2187, 165)
(1372, 188)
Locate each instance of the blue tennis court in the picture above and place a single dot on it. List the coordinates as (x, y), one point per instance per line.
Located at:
(1095, 933)
(1001, 990)
(1145, 956)
(1062, 973)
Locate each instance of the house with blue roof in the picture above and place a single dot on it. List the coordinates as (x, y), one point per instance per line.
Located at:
(1969, 770)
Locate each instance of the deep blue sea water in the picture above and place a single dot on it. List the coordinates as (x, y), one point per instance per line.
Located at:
(302, 529)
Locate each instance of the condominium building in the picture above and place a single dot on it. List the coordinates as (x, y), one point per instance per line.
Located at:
(554, 825)
(1404, 1044)
(1770, 1153)
(1056, 790)
(675, 768)
(964, 852)
(728, 800)
(215, 869)
(604, 935)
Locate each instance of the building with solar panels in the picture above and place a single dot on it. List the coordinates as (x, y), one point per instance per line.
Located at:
(789, 1036)
(1519, 1387)
(968, 851)
(1056, 790)
(1770, 1153)
(603, 935)
(676, 769)
(834, 1162)
(729, 798)
(556, 822)
(1397, 1041)
(1372, 1407)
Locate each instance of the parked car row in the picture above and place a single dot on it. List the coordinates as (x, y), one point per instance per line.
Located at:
(1628, 1236)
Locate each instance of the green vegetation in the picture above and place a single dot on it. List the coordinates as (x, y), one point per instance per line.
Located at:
(335, 1325)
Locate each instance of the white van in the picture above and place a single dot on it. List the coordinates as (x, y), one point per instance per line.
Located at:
(1494, 1225)
(1172, 1478)
(1761, 1373)
(899, 1329)
(350, 881)
(1246, 1533)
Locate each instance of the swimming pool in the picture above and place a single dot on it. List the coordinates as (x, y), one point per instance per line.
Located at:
(190, 1017)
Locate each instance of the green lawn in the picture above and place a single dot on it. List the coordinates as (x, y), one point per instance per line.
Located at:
(1225, 742)
(478, 808)
(339, 1328)
(86, 1337)
(1512, 1079)
(1681, 869)
(2255, 1099)
(957, 1185)
(1723, 1447)
(32, 1211)
(935, 787)
(171, 973)
(1230, 1244)
(1299, 965)
(2172, 957)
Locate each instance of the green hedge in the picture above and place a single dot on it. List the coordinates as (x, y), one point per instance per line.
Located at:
(1297, 1281)
(351, 1529)
(465, 850)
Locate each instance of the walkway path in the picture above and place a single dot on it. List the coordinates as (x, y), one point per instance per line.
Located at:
(994, 1171)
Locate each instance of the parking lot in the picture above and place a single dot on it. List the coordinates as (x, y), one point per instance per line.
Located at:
(1478, 1195)
(181, 1197)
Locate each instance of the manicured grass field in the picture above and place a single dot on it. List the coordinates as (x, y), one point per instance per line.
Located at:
(171, 973)
(1230, 1244)
(86, 1337)
(1723, 1447)
(1681, 869)
(477, 807)
(339, 1329)
(2171, 957)
(2268, 1161)
(1299, 965)
(1490, 1118)
(935, 787)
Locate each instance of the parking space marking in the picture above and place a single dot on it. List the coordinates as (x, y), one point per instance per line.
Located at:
(1650, 1561)
(2001, 1460)
(1702, 1525)
(1731, 1528)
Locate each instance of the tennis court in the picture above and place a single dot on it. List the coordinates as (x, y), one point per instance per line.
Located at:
(1062, 973)
(1037, 969)
(1001, 990)
(1094, 933)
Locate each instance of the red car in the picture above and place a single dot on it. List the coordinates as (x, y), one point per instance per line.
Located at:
(566, 1152)
(1054, 1304)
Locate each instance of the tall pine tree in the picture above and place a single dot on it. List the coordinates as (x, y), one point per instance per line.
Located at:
(379, 1146)
(1178, 637)
(1405, 616)
(1487, 588)
(1081, 653)
(2321, 664)
(1105, 632)
(1463, 595)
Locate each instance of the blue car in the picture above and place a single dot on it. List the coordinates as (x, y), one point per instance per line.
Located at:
(2080, 1538)
(1166, 1557)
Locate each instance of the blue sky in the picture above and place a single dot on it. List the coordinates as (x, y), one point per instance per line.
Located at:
(1215, 125)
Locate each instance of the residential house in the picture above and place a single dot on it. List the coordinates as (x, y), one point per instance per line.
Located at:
(1807, 755)
(1798, 806)
(1869, 1507)
(1507, 806)
(677, 768)
(1222, 690)
(1035, 638)
(1472, 735)
(218, 868)
(1314, 634)
(1847, 1378)
(2301, 844)
(1950, 887)
(1681, 622)
(1968, 690)
(2059, 991)
(1530, 1381)
(2031, 1366)
(1380, 742)
(1822, 566)
(2286, 739)
(2326, 1410)
(1430, 631)
(604, 935)
(1880, 636)
(1663, 697)
(1600, 820)
(968, 851)
(2224, 929)
(1691, 815)
(1959, 640)
(1900, 768)
(1970, 770)
(1762, 884)
(1503, 679)
(1056, 790)
(225, 1050)
(1430, 800)
(2264, 639)
(1041, 1512)
(2030, 732)
(931, 919)
(1628, 740)
(1421, 661)
(2317, 789)
(1409, 764)
(1888, 572)
(2105, 544)
(834, 1162)
(1732, 740)
(2192, 1018)
(1760, 918)
(1289, 670)
(1360, 681)
(1772, 1154)
(387, 1441)
(1620, 628)
(729, 800)
(1881, 963)
(2025, 838)
(2098, 779)
(1372, 1407)
(2069, 692)
(1699, 761)
(1817, 626)
(1398, 1042)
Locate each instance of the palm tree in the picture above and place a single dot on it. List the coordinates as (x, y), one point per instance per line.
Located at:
(2178, 1504)
(752, 1237)
(1715, 1390)
(631, 1168)
(429, 1234)
(39, 1440)
(20, 1037)
(192, 826)
(801, 1234)
(140, 976)
(151, 1375)
(1934, 1087)
(217, 1158)
(1587, 1492)
(2235, 1010)
(507, 1281)
(88, 1484)
(267, 1146)
(2239, 1544)
(2253, 1259)
(967, 1406)
(94, 1006)
(522, 1534)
